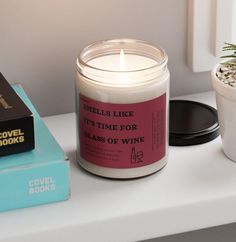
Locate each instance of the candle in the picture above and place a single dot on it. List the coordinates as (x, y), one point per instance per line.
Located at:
(122, 62)
(122, 93)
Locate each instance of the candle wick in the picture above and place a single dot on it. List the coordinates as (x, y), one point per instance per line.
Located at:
(122, 60)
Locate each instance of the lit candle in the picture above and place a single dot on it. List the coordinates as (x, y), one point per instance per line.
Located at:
(122, 105)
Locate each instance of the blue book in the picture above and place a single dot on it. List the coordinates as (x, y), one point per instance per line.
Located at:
(35, 177)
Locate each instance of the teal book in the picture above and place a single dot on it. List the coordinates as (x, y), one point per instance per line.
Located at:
(34, 177)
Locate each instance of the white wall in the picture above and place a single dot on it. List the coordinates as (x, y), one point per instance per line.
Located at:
(39, 42)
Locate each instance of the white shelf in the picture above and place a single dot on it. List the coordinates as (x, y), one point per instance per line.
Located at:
(197, 189)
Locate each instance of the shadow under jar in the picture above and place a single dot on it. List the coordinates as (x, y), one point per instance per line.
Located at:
(122, 99)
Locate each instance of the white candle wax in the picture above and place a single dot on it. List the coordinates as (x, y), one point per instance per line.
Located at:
(126, 77)
(119, 62)
(127, 81)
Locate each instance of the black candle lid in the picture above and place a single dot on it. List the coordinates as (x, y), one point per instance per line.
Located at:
(192, 123)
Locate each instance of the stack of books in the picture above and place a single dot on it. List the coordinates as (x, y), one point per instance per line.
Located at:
(33, 167)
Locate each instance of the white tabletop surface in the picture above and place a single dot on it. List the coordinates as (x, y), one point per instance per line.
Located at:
(197, 189)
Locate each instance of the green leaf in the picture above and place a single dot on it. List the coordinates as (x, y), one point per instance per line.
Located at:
(229, 47)
(228, 56)
(228, 44)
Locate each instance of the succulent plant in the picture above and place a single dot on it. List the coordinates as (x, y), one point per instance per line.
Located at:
(232, 56)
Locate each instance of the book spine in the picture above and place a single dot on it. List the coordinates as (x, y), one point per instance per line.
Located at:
(16, 135)
(25, 187)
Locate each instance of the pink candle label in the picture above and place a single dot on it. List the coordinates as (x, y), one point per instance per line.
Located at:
(122, 135)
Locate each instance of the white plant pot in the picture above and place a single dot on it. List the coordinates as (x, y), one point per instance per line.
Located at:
(226, 106)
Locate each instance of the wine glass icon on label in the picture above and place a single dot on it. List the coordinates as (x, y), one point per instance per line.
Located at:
(136, 156)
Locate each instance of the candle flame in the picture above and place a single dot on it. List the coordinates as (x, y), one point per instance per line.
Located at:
(122, 60)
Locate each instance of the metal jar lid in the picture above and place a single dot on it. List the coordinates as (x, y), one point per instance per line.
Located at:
(192, 123)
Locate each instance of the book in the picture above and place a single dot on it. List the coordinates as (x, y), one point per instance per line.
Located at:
(34, 177)
(16, 122)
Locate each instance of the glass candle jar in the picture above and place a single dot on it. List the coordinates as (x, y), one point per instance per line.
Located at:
(122, 99)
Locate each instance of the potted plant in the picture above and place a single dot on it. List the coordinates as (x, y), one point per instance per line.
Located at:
(224, 84)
